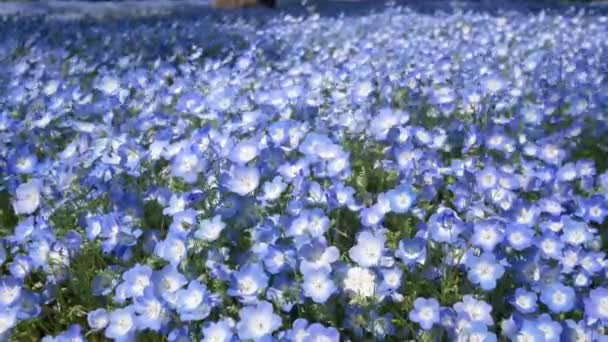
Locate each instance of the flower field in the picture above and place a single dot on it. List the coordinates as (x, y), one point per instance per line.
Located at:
(393, 175)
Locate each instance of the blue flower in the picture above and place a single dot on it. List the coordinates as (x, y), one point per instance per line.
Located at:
(167, 282)
(475, 310)
(317, 256)
(151, 311)
(137, 280)
(220, 331)
(248, 282)
(412, 251)
(187, 165)
(318, 286)
(121, 326)
(524, 301)
(476, 331)
(558, 298)
(519, 237)
(596, 305)
(98, 319)
(425, 312)
(27, 197)
(401, 198)
(445, 225)
(10, 291)
(243, 180)
(172, 249)
(72, 334)
(484, 270)
(550, 328)
(530, 332)
(487, 234)
(8, 319)
(257, 322)
(244, 152)
(210, 229)
(194, 302)
(369, 249)
(318, 332)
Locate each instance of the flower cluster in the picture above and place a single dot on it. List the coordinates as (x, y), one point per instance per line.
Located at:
(387, 176)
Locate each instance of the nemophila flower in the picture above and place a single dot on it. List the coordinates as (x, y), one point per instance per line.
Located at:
(318, 223)
(592, 262)
(210, 229)
(484, 270)
(595, 209)
(272, 190)
(529, 332)
(445, 225)
(475, 310)
(487, 234)
(596, 305)
(20, 267)
(360, 282)
(121, 326)
(109, 85)
(244, 151)
(8, 319)
(550, 328)
(98, 319)
(297, 332)
(137, 279)
(575, 233)
(10, 291)
(492, 84)
(318, 286)
(391, 279)
(243, 180)
(401, 199)
(412, 251)
(257, 322)
(29, 305)
(558, 298)
(317, 256)
(72, 334)
(194, 302)
(190, 102)
(248, 282)
(551, 153)
(519, 237)
(487, 179)
(220, 331)
(167, 281)
(183, 223)
(369, 249)
(151, 311)
(172, 249)
(578, 331)
(526, 215)
(103, 284)
(524, 301)
(425, 312)
(278, 260)
(318, 332)
(23, 161)
(383, 122)
(187, 165)
(372, 216)
(550, 246)
(27, 197)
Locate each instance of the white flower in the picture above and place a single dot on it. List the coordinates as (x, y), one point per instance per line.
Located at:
(360, 281)
(28, 197)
